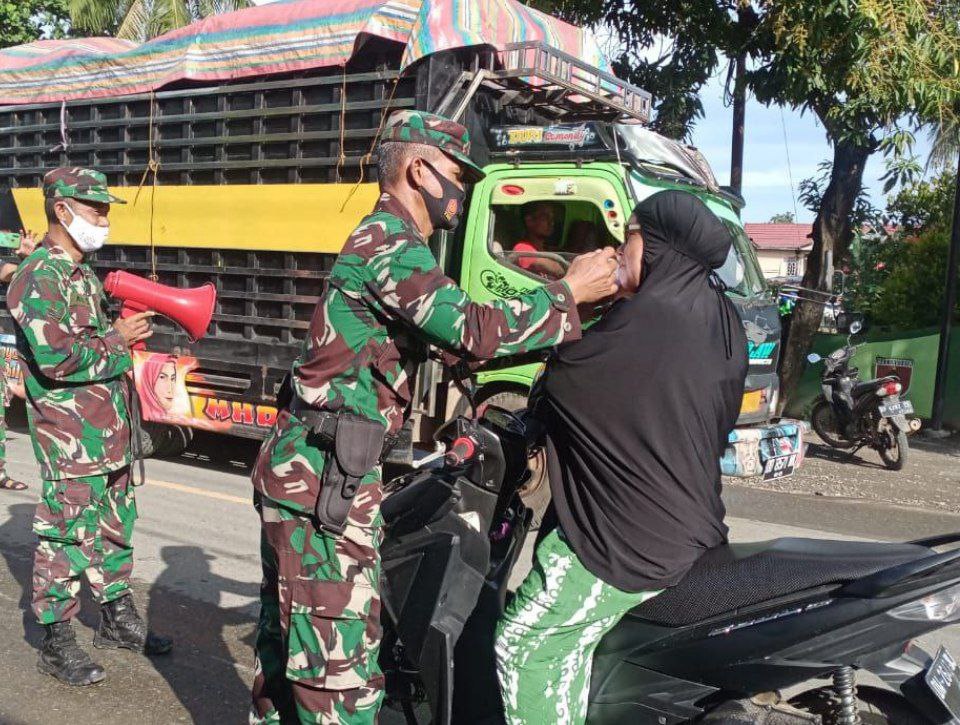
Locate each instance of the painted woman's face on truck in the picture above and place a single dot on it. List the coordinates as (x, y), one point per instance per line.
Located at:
(165, 386)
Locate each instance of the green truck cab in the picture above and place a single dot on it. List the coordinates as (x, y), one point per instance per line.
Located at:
(591, 177)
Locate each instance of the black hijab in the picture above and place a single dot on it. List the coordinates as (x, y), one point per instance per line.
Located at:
(638, 411)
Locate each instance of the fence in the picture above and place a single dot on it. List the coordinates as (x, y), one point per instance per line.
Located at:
(912, 354)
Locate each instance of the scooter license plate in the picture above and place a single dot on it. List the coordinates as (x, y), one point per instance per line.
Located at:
(901, 407)
(780, 466)
(944, 681)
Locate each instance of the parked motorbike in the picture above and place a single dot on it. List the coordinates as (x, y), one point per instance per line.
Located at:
(747, 621)
(853, 414)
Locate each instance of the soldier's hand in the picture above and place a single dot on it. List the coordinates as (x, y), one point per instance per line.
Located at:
(17, 389)
(592, 276)
(28, 242)
(135, 328)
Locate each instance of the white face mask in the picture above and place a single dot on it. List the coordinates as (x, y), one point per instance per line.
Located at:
(89, 237)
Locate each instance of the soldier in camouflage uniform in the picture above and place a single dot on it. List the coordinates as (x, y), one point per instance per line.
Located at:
(8, 388)
(385, 302)
(75, 371)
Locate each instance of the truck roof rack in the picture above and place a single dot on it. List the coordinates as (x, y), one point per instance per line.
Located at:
(533, 74)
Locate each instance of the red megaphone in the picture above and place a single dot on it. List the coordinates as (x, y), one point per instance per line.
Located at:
(190, 308)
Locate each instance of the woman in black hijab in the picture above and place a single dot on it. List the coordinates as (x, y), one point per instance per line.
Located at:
(637, 414)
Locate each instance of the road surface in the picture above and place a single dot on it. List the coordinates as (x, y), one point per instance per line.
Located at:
(197, 572)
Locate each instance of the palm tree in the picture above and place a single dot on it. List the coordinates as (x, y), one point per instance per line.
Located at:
(144, 19)
(946, 144)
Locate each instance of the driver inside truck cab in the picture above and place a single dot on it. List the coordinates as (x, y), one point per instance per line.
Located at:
(539, 221)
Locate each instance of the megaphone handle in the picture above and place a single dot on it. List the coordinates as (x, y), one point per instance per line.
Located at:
(129, 309)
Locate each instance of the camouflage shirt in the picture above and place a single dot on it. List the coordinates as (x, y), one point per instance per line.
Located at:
(74, 364)
(386, 300)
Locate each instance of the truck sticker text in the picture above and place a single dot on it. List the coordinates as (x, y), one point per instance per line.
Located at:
(236, 412)
(499, 285)
(557, 135)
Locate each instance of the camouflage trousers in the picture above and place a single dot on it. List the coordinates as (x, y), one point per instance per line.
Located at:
(85, 526)
(319, 630)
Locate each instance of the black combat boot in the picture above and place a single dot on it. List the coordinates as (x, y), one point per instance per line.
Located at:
(121, 626)
(61, 656)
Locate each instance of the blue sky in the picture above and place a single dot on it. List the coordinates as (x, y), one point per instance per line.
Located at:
(766, 183)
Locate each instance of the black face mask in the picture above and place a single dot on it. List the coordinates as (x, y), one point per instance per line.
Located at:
(444, 210)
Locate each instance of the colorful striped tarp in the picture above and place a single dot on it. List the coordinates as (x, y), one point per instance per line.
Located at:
(275, 38)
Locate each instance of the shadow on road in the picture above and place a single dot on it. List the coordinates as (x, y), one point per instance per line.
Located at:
(19, 559)
(219, 452)
(201, 671)
(834, 455)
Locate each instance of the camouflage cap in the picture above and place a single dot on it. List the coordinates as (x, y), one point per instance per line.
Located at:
(427, 128)
(76, 183)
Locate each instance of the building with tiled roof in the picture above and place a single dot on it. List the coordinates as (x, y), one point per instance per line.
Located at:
(781, 248)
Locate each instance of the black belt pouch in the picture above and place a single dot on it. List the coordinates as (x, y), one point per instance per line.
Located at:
(356, 450)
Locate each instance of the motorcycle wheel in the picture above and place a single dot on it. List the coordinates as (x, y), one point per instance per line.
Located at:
(892, 446)
(825, 424)
(876, 707)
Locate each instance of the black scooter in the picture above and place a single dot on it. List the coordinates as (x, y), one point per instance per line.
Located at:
(748, 620)
(853, 414)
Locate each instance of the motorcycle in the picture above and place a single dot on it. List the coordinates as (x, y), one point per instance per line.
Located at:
(748, 621)
(853, 414)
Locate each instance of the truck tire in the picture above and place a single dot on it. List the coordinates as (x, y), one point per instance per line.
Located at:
(163, 441)
(535, 493)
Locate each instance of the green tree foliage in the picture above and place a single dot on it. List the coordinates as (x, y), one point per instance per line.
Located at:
(784, 217)
(912, 295)
(22, 21)
(896, 273)
(923, 204)
(873, 257)
(863, 214)
(668, 48)
(143, 19)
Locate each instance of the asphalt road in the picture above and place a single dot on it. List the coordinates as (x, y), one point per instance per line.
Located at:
(197, 571)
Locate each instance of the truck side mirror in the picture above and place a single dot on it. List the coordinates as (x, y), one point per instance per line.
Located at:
(850, 323)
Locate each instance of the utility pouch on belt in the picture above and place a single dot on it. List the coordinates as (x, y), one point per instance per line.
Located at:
(357, 448)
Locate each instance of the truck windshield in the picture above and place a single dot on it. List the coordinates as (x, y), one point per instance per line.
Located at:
(741, 272)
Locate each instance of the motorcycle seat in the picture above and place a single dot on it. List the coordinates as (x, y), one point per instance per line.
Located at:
(735, 576)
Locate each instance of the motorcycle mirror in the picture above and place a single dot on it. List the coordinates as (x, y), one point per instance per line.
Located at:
(855, 327)
(813, 358)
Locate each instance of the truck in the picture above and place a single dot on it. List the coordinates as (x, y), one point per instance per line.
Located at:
(255, 183)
